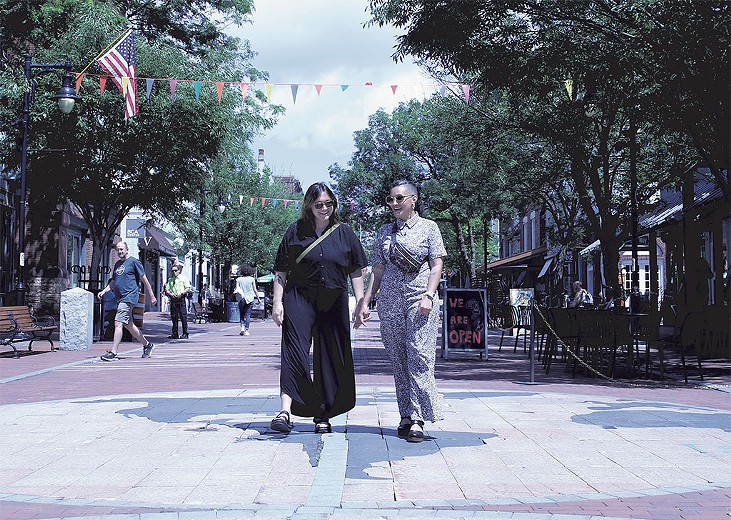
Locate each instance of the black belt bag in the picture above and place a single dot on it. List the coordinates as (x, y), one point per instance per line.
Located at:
(404, 259)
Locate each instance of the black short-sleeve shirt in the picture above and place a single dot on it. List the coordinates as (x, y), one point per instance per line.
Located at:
(327, 265)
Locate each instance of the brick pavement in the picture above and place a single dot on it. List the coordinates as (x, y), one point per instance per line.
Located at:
(184, 435)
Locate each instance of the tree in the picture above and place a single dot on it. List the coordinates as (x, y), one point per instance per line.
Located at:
(601, 118)
(159, 159)
(458, 158)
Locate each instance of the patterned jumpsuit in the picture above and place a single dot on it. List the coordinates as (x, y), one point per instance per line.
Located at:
(409, 337)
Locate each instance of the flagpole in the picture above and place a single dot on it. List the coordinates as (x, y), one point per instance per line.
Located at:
(117, 39)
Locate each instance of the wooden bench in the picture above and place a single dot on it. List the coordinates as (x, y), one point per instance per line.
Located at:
(17, 324)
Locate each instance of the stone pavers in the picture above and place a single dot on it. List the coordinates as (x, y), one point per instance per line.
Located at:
(185, 434)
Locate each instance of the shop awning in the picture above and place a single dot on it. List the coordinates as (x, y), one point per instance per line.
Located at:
(155, 239)
(513, 261)
(545, 267)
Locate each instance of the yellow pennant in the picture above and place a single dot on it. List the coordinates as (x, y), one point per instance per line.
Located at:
(569, 87)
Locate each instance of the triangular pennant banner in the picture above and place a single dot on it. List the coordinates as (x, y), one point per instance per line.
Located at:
(393, 88)
(263, 201)
(294, 93)
(274, 202)
(197, 87)
(219, 89)
(286, 203)
(344, 87)
(79, 78)
(268, 90)
(443, 90)
(125, 85)
(241, 200)
(148, 87)
(251, 201)
(244, 90)
(318, 88)
(466, 90)
(569, 84)
(102, 84)
(173, 86)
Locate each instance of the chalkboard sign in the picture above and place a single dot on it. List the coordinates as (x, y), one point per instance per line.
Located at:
(465, 321)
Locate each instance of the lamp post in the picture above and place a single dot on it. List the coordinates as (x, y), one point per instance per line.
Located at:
(66, 98)
(221, 206)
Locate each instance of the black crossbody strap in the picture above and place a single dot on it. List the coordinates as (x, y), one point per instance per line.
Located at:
(313, 244)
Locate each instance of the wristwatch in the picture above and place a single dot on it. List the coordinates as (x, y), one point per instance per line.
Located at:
(430, 295)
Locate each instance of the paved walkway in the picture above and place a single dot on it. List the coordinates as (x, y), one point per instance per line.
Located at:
(184, 435)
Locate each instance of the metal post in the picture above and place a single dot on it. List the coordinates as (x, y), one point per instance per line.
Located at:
(200, 252)
(635, 285)
(532, 350)
(28, 98)
(20, 287)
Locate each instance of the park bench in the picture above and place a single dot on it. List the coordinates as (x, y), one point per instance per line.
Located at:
(17, 324)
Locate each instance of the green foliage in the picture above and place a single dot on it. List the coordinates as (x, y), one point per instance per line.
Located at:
(156, 161)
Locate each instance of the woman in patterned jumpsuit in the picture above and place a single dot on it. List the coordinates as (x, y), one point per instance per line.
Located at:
(407, 309)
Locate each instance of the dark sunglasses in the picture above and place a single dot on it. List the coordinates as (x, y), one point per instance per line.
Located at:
(398, 198)
(174, 269)
(327, 204)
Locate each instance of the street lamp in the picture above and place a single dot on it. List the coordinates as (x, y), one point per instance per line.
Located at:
(66, 98)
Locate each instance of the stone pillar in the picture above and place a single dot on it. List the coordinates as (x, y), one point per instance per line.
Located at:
(77, 319)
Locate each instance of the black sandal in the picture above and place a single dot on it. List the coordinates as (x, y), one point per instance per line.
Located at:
(404, 427)
(282, 422)
(322, 426)
(416, 435)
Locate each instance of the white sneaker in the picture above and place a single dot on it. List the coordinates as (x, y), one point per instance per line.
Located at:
(246, 333)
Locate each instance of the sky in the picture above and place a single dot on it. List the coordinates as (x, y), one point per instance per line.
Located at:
(312, 42)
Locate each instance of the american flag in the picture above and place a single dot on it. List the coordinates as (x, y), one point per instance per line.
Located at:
(120, 63)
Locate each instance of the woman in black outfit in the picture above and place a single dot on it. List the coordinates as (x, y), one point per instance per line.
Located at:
(311, 306)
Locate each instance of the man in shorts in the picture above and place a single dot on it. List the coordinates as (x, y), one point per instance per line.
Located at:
(126, 276)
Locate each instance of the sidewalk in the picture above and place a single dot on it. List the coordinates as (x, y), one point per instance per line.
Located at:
(184, 435)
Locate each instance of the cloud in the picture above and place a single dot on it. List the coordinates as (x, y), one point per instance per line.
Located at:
(324, 42)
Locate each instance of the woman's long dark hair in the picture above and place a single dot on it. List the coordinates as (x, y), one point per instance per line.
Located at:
(313, 193)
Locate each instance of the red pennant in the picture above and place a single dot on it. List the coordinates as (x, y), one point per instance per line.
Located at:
(102, 84)
(318, 88)
(219, 89)
(244, 90)
(79, 78)
(393, 88)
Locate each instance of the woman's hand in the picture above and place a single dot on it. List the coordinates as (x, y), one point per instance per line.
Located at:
(278, 313)
(361, 315)
(425, 305)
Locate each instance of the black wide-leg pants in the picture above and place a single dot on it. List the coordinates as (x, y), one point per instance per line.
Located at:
(317, 318)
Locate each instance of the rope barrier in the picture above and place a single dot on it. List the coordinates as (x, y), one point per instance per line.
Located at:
(611, 379)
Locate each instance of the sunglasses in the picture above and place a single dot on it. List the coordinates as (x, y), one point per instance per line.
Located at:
(320, 205)
(174, 270)
(398, 198)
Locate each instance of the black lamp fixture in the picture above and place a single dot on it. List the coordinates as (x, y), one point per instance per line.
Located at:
(66, 98)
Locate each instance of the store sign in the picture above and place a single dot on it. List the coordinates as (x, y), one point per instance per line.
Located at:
(465, 319)
(135, 228)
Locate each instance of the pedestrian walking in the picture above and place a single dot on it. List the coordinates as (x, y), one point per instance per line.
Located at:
(407, 266)
(127, 275)
(246, 292)
(177, 289)
(313, 263)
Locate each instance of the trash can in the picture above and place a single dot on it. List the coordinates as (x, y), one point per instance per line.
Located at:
(232, 312)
